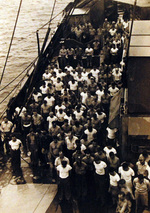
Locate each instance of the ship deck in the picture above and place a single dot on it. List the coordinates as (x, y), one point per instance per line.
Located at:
(27, 198)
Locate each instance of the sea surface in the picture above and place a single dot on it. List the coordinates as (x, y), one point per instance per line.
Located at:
(33, 15)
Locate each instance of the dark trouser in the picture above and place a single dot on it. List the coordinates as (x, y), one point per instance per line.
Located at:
(101, 187)
(45, 115)
(80, 186)
(114, 193)
(90, 181)
(69, 155)
(15, 162)
(64, 188)
(36, 127)
(70, 60)
(6, 142)
(26, 131)
(62, 62)
(34, 155)
(89, 61)
(113, 59)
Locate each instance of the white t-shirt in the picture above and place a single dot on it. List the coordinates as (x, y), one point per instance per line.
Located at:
(47, 76)
(60, 107)
(54, 80)
(43, 90)
(83, 97)
(59, 86)
(73, 86)
(113, 91)
(70, 68)
(62, 91)
(79, 79)
(36, 96)
(84, 75)
(58, 161)
(109, 150)
(50, 100)
(60, 116)
(78, 114)
(112, 32)
(101, 117)
(74, 74)
(111, 133)
(71, 144)
(15, 145)
(69, 118)
(89, 51)
(64, 172)
(126, 175)
(99, 93)
(114, 179)
(50, 120)
(100, 167)
(95, 74)
(114, 51)
(56, 70)
(60, 75)
(125, 24)
(117, 76)
(90, 134)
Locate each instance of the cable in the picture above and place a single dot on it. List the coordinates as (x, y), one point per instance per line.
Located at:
(48, 30)
(11, 41)
(12, 90)
(49, 21)
(52, 13)
(28, 67)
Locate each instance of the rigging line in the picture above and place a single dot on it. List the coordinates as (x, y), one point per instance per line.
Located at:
(27, 68)
(52, 13)
(48, 31)
(11, 41)
(45, 24)
(13, 89)
(51, 20)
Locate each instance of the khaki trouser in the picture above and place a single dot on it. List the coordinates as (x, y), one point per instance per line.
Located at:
(141, 199)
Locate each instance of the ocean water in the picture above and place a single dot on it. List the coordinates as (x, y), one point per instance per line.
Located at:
(33, 15)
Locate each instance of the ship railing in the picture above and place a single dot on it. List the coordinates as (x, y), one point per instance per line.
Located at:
(18, 87)
(63, 16)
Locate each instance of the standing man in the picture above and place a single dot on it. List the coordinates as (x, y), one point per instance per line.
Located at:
(64, 186)
(26, 122)
(15, 145)
(101, 180)
(6, 128)
(142, 186)
(32, 147)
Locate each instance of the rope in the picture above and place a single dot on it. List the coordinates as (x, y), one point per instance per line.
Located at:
(28, 67)
(12, 89)
(52, 13)
(49, 21)
(48, 29)
(9, 95)
(11, 41)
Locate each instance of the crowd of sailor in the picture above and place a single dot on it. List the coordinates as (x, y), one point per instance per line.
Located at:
(66, 123)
